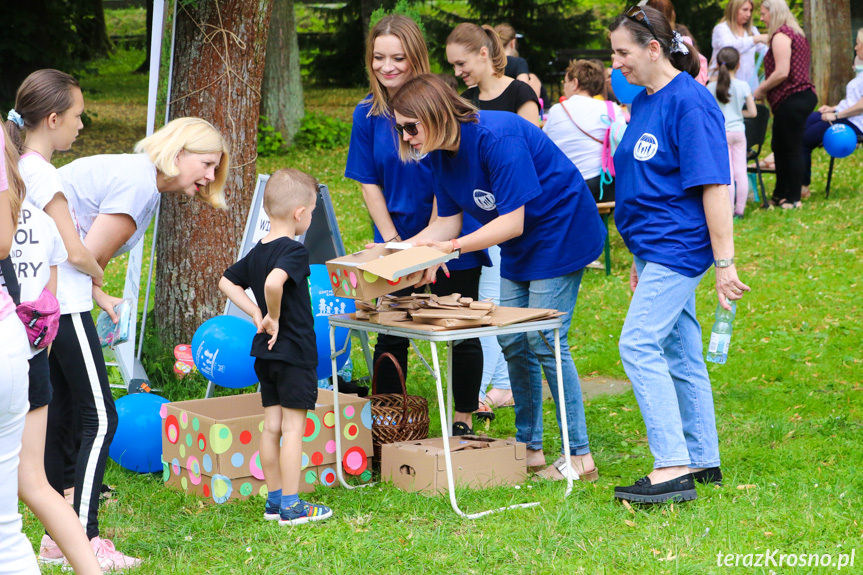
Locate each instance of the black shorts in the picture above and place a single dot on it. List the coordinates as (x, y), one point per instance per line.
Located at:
(40, 381)
(286, 384)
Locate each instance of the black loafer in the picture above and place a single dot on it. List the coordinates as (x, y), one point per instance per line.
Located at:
(460, 428)
(678, 489)
(709, 475)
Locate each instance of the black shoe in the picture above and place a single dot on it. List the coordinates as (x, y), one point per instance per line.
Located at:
(709, 475)
(678, 489)
(460, 428)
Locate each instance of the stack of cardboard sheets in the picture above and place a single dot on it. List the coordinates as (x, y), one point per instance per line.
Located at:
(436, 313)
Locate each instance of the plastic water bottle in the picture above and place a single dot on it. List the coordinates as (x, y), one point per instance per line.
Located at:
(720, 335)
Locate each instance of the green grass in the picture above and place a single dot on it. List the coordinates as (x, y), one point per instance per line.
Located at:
(788, 406)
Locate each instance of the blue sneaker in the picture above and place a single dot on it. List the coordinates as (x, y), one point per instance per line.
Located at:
(271, 512)
(304, 512)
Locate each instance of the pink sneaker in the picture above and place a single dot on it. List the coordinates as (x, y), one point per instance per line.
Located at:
(50, 554)
(111, 560)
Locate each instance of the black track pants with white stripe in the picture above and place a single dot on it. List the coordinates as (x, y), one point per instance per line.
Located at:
(81, 390)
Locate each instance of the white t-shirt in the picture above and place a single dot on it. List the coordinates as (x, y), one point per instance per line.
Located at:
(113, 184)
(853, 94)
(582, 150)
(738, 91)
(36, 247)
(74, 289)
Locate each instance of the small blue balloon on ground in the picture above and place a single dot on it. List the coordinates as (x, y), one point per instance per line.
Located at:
(623, 90)
(137, 444)
(325, 304)
(840, 140)
(221, 348)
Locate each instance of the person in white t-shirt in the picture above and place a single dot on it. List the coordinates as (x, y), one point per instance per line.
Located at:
(16, 553)
(112, 199)
(49, 105)
(735, 100)
(576, 124)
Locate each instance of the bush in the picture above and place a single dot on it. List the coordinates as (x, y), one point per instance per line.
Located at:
(322, 132)
(270, 140)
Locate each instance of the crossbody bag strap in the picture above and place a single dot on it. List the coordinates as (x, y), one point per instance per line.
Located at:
(597, 140)
(7, 266)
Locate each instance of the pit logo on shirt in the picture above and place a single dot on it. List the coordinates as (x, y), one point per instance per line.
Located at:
(484, 200)
(645, 147)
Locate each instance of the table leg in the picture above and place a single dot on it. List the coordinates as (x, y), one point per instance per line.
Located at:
(562, 407)
(449, 380)
(446, 451)
(340, 473)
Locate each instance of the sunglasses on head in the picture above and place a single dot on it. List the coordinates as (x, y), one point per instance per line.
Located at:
(409, 127)
(636, 14)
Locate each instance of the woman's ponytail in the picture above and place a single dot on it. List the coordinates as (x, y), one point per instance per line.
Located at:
(495, 50)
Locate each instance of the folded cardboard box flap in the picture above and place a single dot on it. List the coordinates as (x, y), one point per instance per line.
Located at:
(405, 262)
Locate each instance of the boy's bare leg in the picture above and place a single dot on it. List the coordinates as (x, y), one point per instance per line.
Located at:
(269, 448)
(291, 454)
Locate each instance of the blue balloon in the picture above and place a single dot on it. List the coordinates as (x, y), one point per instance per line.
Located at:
(137, 444)
(221, 348)
(325, 304)
(840, 140)
(623, 90)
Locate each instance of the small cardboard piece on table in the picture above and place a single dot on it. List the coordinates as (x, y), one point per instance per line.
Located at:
(381, 270)
(210, 446)
(478, 462)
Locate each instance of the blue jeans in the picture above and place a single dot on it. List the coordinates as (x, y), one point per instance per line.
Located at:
(525, 352)
(661, 351)
(494, 370)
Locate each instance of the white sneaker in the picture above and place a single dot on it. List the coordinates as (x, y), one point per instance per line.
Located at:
(111, 560)
(50, 554)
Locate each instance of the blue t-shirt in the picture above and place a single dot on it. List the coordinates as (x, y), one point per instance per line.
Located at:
(408, 188)
(674, 145)
(503, 163)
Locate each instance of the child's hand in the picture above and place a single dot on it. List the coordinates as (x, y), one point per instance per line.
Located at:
(270, 326)
(257, 319)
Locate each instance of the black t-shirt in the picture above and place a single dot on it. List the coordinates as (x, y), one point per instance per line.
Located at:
(515, 66)
(510, 100)
(295, 343)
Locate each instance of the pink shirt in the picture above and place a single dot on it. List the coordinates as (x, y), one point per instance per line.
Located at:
(7, 306)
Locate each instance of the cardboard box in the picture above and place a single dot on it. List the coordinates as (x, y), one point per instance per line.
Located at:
(381, 270)
(477, 462)
(210, 446)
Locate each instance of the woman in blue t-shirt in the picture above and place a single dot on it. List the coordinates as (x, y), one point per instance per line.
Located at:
(533, 202)
(400, 199)
(674, 216)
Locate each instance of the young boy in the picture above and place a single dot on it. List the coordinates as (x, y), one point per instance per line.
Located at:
(277, 270)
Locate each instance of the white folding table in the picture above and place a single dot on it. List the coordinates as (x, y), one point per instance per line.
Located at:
(450, 337)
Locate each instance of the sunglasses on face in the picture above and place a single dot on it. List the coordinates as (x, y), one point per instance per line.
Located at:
(636, 14)
(409, 127)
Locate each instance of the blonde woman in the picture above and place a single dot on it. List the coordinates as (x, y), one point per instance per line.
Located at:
(478, 58)
(791, 95)
(736, 30)
(111, 200)
(400, 199)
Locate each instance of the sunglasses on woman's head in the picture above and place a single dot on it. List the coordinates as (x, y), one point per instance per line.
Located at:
(636, 14)
(409, 127)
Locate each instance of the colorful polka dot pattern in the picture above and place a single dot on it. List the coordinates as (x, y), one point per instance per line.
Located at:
(194, 469)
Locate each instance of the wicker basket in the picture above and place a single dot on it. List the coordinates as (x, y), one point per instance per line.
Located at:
(396, 417)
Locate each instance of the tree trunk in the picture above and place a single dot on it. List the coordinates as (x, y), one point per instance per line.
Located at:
(828, 27)
(90, 25)
(282, 90)
(219, 64)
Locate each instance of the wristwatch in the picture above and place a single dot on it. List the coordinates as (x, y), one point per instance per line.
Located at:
(456, 248)
(724, 263)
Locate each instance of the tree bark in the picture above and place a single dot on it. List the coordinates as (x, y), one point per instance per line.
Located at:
(218, 67)
(282, 90)
(828, 27)
(90, 25)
